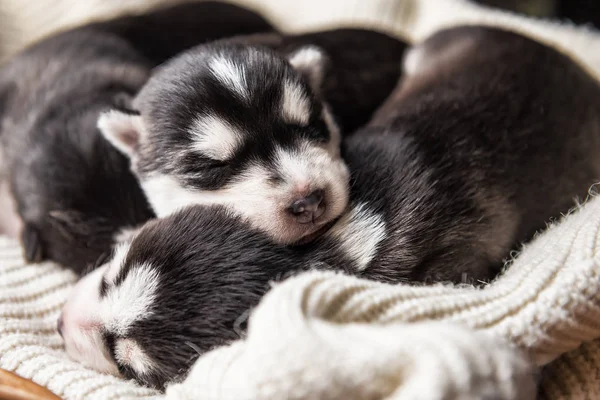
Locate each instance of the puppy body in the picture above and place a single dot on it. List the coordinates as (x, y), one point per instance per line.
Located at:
(73, 190)
(503, 133)
(250, 123)
(460, 165)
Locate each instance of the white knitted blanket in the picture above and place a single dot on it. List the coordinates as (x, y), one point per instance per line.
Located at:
(329, 336)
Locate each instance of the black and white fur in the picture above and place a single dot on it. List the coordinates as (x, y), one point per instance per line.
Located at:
(489, 136)
(238, 124)
(73, 191)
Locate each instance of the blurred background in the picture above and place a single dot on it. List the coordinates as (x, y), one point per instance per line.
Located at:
(22, 22)
(578, 11)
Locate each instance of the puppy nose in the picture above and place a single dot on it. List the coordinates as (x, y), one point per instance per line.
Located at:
(308, 208)
(59, 326)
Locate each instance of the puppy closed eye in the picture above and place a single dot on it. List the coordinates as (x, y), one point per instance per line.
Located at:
(199, 163)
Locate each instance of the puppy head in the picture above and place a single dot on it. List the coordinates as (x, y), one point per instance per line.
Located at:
(242, 127)
(180, 287)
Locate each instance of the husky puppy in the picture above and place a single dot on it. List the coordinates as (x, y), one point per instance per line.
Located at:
(489, 136)
(73, 191)
(238, 124)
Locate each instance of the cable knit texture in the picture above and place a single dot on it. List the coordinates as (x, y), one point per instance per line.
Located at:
(330, 336)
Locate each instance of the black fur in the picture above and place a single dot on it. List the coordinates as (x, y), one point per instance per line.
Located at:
(462, 164)
(185, 89)
(360, 71)
(498, 134)
(213, 267)
(350, 75)
(73, 189)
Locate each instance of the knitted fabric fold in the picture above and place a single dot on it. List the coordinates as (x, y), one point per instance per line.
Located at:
(329, 335)
(289, 359)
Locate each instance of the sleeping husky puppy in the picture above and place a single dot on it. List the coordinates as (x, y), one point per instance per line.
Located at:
(73, 190)
(238, 124)
(489, 136)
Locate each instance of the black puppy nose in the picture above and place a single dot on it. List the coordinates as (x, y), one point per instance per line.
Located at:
(308, 208)
(59, 326)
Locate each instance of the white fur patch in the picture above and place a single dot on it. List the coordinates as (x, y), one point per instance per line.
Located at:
(166, 195)
(230, 74)
(359, 233)
(413, 60)
(295, 104)
(82, 323)
(116, 263)
(131, 300)
(215, 137)
(128, 352)
(297, 167)
(264, 204)
(86, 315)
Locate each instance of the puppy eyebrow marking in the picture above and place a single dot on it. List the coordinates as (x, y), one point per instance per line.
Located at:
(295, 104)
(131, 300)
(231, 74)
(214, 137)
(116, 264)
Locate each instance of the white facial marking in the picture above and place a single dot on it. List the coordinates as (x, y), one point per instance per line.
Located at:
(131, 300)
(231, 74)
(264, 204)
(359, 233)
(215, 137)
(82, 324)
(129, 352)
(297, 167)
(295, 104)
(86, 315)
(116, 263)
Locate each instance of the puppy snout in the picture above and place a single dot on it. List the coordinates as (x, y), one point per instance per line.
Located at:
(60, 325)
(309, 208)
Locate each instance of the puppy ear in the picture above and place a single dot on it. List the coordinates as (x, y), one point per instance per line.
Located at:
(310, 61)
(123, 130)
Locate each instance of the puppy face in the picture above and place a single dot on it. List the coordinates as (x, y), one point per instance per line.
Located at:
(242, 127)
(180, 287)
